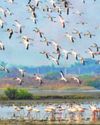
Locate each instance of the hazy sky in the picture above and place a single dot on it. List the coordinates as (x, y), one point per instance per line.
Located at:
(15, 52)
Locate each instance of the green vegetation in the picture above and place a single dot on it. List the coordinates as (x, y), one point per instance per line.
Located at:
(13, 93)
(89, 80)
(17, 94)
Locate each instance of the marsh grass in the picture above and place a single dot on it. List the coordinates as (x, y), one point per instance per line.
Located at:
(44, 122)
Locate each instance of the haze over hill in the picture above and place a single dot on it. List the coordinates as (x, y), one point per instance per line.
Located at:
(90, 68)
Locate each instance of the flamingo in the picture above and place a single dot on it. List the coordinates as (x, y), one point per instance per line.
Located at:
(10, 31)
(17, 110)
(95, 46)
(92, 54)
(3, 68)
(18, 25)
(2, 23)
(3, 11)
(62, 21)
(77, 33)
(29, 110)
(46, 41)
(89, 34)
(2, 47)
(22, 72)
(65, 52)
(38, 78)
(26, 41)
(10, 1)
(82, 60)
(63, 77)
(45, 53)
(37, 30)
(54, 59)
(76, 79)
(70, 37)
(19, 80)
(74, 53)
(37, 112)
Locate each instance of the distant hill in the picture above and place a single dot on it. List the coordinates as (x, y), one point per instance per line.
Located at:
(90, 68)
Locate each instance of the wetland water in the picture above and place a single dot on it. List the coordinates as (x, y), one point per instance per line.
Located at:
(84, 112)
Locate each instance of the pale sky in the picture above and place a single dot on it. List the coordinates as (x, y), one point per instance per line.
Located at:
(15, 52)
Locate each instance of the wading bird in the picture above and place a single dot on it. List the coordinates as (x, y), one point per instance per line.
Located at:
(38, 78)
(63, 77)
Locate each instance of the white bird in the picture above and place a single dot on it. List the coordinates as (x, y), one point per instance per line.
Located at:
(34, 20)
(45, 53)
(19, 80)
(82, 22)
(26, 41)
(36, 110)
(53, 3)
(76, 79)
(54, 59)
(77, 33)
(3, 11)
(8, 12)
(89, 34)
(63, 77)
(66, 5)
(56, 46)
(29, 109)
(95, 46)
(51, 18)
(1, 23)
(46, 41)
(37, 2)
(10, 1)
(74, 53)
(70, 37)
(18, 25)
(22, 72)
(37, 30)
(38, 78)
(2, 47)
(81, 59)
(65, 52)
(78, 13)
(17, 109)
(93, 107)
(31, 8)
(92, 54)
(10, 31)
(3, 68)
(62, 21)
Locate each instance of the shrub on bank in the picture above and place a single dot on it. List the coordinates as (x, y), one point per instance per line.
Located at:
(13, 93)
(24, 94)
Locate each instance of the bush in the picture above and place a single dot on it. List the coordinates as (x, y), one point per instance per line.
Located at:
(13, 93)
(24, 94)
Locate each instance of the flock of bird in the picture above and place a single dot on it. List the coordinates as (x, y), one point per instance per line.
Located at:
(66, 111)
(52, 10)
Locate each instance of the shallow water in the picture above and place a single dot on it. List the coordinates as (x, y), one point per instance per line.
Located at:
(61, 112)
